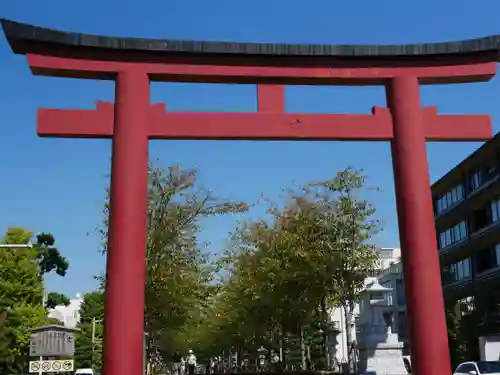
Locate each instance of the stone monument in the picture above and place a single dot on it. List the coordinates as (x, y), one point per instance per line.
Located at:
(380, 351)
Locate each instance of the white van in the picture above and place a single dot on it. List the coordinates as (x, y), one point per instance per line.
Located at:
(85, 371)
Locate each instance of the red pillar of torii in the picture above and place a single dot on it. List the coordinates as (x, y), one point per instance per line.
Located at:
(132, 121)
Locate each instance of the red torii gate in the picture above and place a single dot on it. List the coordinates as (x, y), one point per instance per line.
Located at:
(133, 120)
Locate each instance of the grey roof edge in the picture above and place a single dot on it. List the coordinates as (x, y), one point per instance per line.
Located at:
(54, 327)
(20, 34)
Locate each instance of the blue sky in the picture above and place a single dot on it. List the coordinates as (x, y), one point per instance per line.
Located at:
(57, 185)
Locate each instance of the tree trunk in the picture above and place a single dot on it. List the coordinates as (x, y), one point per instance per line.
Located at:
(325, 326)
(302, 349)
(348, 308)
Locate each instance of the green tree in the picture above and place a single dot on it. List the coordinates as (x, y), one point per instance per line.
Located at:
(348, 227)
(4, 345)
(264, 300)
(21, 295)
(88, 353)
(49, 257)
(283, 275)
(179, 271)
(55, 299)
(457, 343)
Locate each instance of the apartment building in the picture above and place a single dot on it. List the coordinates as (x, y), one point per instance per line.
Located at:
(467, 215)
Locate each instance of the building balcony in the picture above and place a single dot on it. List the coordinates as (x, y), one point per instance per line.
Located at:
(480, 239)
(472, 201)
(466, 287)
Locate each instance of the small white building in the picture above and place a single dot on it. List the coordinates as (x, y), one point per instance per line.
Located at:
(388, 257)
(68, 315)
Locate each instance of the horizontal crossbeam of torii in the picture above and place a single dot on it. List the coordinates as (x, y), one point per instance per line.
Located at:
(133, 120)
(270, 123)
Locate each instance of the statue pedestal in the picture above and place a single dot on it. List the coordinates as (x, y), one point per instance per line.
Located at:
(380, 351)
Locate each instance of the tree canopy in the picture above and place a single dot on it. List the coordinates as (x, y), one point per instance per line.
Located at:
(49, 257)
(55, 299)
(88, 352)
(285, 274)
(21, 296)
(180, 272)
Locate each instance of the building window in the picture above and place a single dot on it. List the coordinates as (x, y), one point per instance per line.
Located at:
(439, 205)
(448, 235)
(400, 292)
(495, 210)
(450, 198)
(497, 254)
(452, 235)
(481, 176)
(475, 180)
(461, 270)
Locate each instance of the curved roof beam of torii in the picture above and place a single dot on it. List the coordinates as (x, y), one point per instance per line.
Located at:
(65, 54)
(20, 36)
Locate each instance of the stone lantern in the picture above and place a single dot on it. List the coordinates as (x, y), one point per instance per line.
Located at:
(262, 352)
(380, 351)
(375, 309)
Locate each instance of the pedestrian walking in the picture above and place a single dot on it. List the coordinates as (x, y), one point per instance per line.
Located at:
(191, 362)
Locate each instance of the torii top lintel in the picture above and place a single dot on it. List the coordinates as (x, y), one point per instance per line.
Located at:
(201, 61)
(65, 54)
